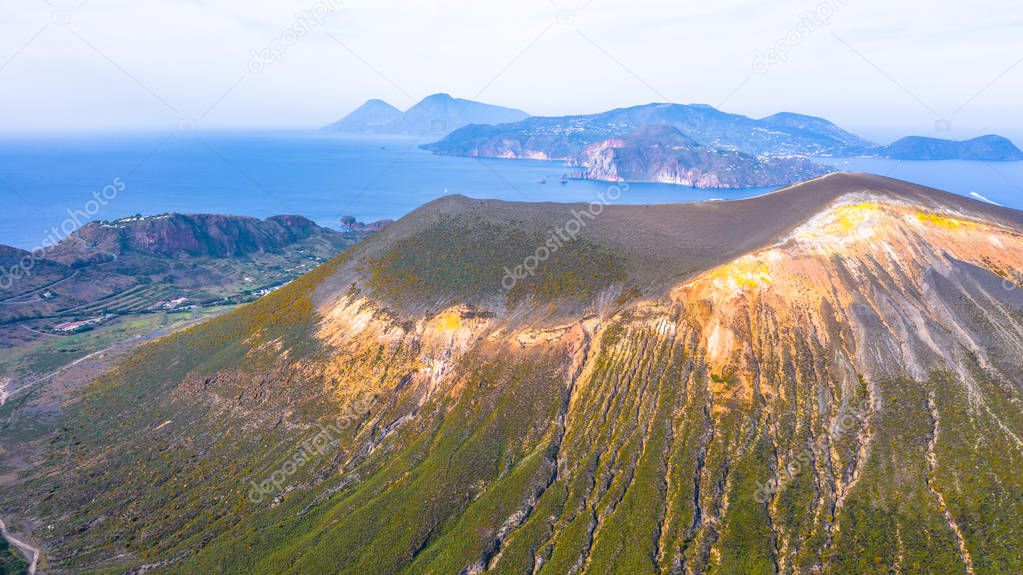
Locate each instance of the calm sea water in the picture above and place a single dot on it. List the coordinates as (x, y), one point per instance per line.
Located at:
(45, 180)
(997, 182)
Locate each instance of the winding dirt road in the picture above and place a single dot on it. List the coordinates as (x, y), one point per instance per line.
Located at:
(31, 553)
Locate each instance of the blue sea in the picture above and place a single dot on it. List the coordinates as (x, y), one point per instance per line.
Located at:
(47, 181)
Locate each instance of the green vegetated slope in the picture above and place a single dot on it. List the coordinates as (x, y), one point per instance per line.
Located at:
(469, 258)
(562, 429)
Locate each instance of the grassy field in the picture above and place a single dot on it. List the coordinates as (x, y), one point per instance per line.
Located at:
(51, 352)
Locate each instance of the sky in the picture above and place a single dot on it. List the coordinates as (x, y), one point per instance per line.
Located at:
(879, 68)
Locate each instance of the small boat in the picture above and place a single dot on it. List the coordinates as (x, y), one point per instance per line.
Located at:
(564, 178)
(542, 181)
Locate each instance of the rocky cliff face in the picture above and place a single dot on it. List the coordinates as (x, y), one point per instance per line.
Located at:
(663, 154)
(190, 234)
(825, 379)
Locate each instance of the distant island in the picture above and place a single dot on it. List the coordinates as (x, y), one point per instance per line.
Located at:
(693, 145)
(564, 137)
(989, 148)
(438, 114)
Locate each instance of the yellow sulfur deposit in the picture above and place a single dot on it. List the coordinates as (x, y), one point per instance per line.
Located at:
(746, 272)
(944, 222)
(849, 217)
(449, 320)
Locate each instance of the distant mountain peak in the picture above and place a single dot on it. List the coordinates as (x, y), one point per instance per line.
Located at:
(438, 96)
(438, 113)
(782, 115)
(372, 116)
(815, 125)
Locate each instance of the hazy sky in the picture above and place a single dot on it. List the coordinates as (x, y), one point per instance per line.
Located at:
(879, 68)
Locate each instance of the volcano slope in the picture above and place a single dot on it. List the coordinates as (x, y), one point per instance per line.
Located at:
(825, 379)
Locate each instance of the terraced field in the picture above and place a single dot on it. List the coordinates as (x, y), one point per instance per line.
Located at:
(135, 300)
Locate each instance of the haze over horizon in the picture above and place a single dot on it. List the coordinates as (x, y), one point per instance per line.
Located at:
(879, 70)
